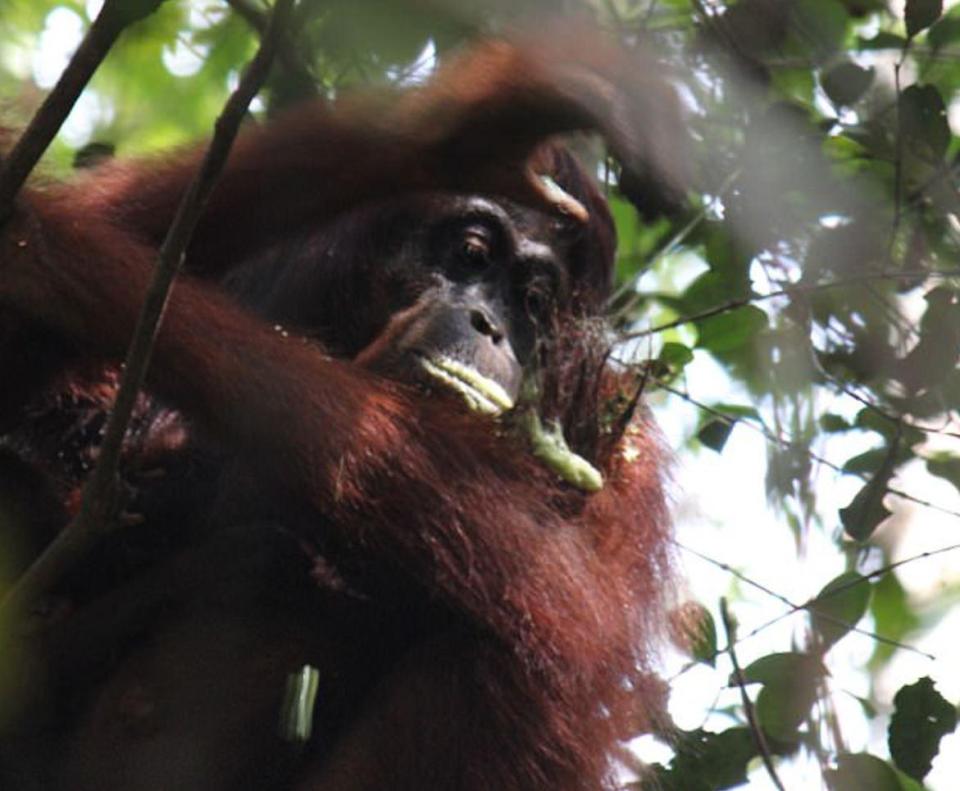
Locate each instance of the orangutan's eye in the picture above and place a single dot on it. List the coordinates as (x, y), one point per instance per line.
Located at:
(475, 247)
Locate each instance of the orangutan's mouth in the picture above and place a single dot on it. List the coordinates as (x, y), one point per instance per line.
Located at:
(481, 393)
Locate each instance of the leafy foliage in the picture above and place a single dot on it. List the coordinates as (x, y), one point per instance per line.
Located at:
(706, 761)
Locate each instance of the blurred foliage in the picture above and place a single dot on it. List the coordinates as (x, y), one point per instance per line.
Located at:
(822, 235)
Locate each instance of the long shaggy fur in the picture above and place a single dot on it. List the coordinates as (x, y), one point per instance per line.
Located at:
(517, 616)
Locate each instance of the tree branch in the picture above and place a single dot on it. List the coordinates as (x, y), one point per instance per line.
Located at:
(96, 518)
(758, 736)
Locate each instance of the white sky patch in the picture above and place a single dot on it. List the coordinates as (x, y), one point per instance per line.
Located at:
(256, 104)
(62, 33)
(204, 16)
(18, 59)
(188, 55)
(93, 8)
(90, 111)
(419, 70)
(184, 60)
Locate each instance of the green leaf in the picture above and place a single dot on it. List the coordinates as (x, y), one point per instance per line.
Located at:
(728, 278)
(782, 668)
(846, 82)
(860, 772)
(706, 761)
(871, 420)
(704, 646)
(920, 14)
(695, 632)
(675, 355)
(833, 424)
(866, 463)
(732, 330)
(783, 707)
(894, 615)
(839, 607)
(794, 84)
(930, 362)
(866, 510)
(945, 32)
(715, 433)
(820, 25)
(921, 718)
(907, 783)
(923, 121)
(882, 40)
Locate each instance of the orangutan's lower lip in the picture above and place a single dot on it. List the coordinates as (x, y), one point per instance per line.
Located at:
(481, 393)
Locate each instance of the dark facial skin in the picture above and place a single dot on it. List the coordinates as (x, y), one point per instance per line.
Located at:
(486, 276)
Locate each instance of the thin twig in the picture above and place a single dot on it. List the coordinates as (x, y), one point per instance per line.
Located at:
(112, 20)
(846, 586)
(287, 53)
(94, 519)
(672, 243)
(809, 605)
(891, 417)
(758, 736)
(898, 150)
(787, 291)
(790, 445)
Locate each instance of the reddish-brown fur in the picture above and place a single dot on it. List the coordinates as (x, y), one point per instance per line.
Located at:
(551, 597)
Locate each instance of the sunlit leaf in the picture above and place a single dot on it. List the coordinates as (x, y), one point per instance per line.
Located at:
(946, 31)
(893, 613)
(694, 631)
(782, 668)
(839, 606)
(732, 330)
(676, 355)
(861, 771)
(784, 705)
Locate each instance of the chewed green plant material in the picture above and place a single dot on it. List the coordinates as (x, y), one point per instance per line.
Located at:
(481, 394)
(551, 448)
(299, 700)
